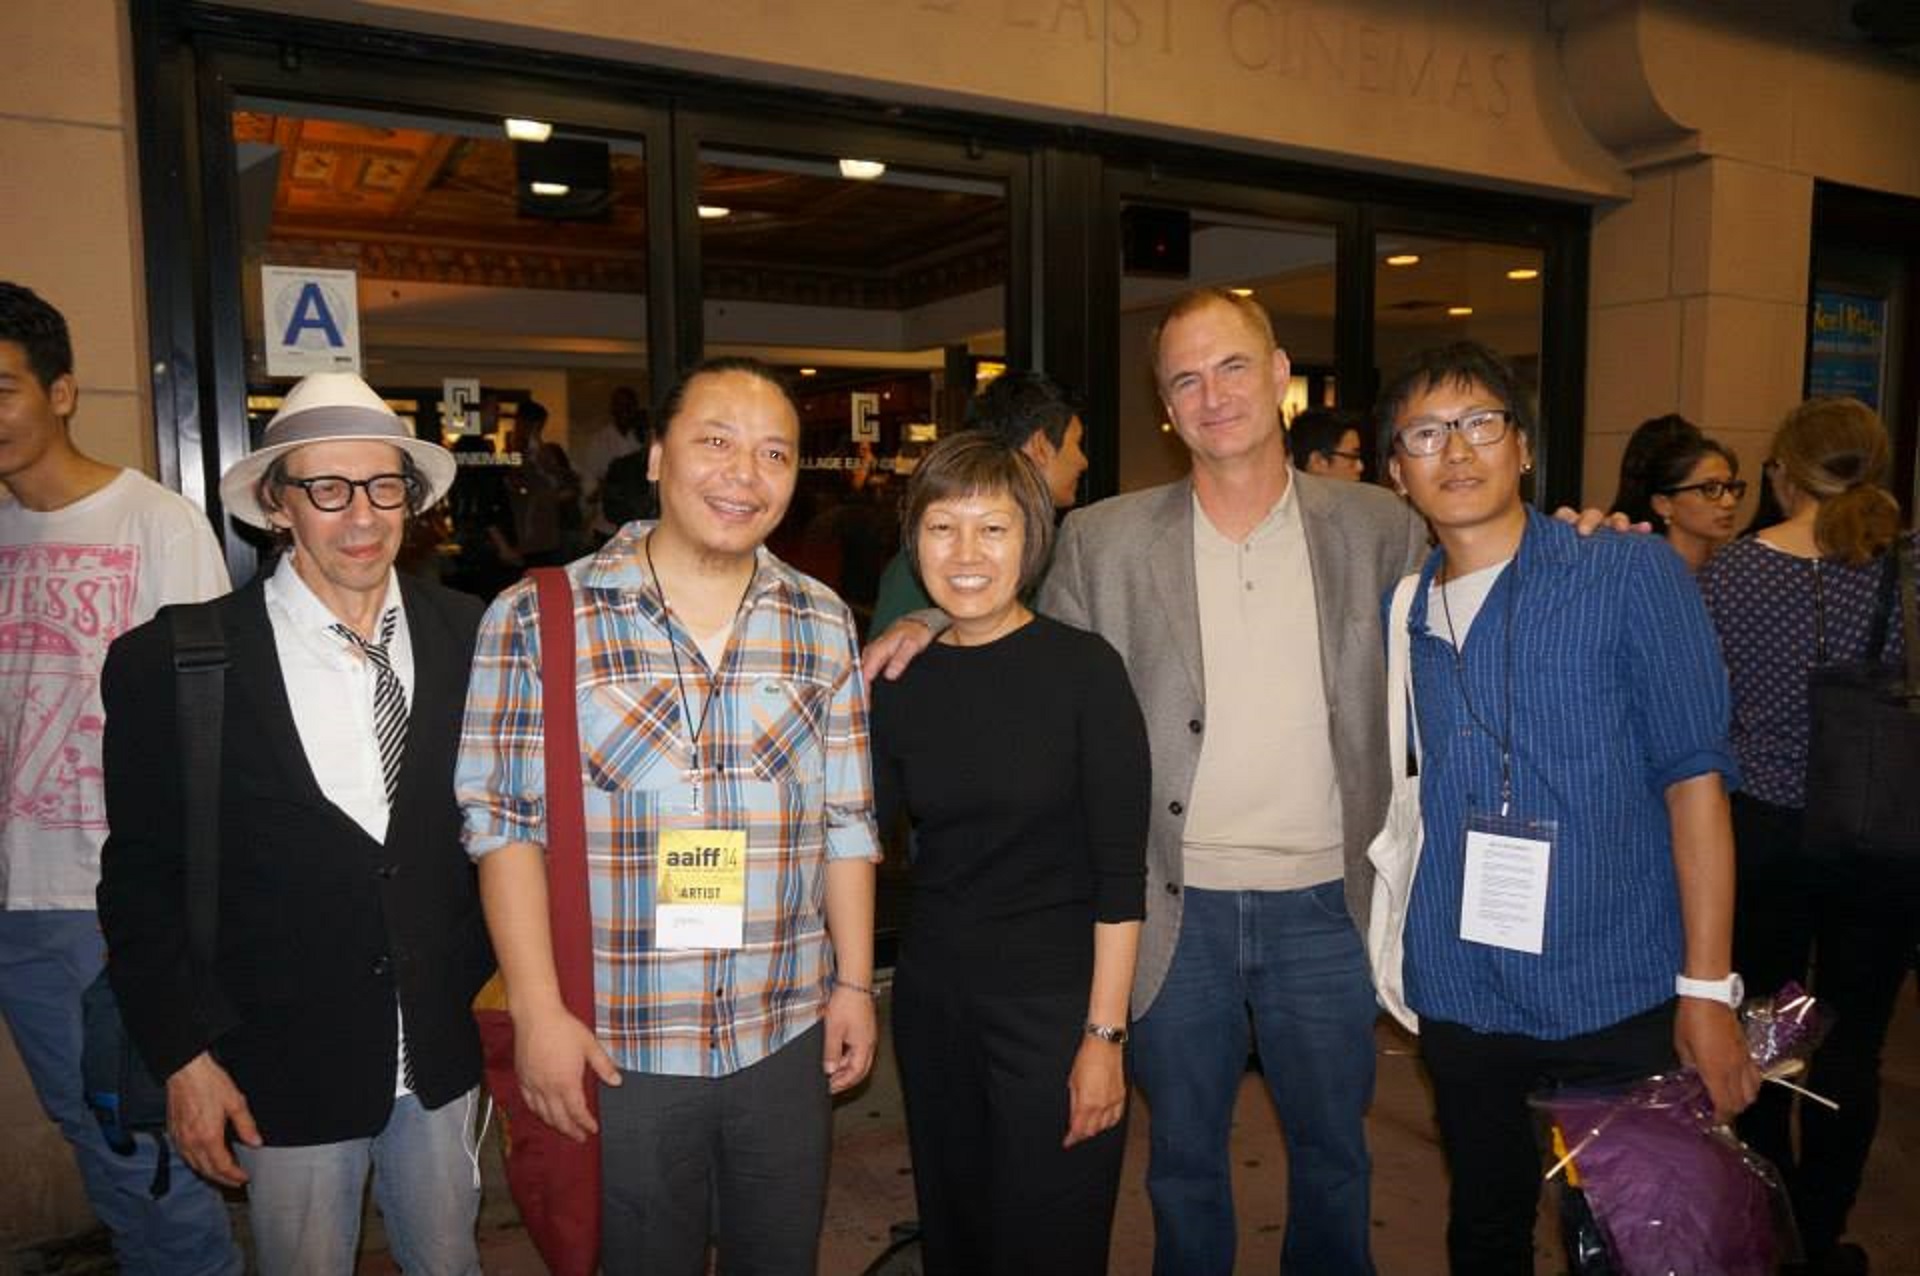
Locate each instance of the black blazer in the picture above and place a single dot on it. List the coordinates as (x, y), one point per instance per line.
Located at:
(320, 927)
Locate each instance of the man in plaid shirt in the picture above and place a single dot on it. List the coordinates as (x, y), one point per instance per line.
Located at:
(730, 845)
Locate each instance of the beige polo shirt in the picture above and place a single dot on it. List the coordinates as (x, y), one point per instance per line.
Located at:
(1265, 809)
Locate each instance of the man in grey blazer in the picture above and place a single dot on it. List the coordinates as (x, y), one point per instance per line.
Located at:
(1245, 600)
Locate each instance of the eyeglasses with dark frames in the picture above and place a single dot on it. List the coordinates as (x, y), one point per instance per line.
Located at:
(331, 493)
(1712, 489)
(1355, 457)
(1482, 428)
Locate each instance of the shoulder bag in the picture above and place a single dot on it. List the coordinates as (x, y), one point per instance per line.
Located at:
(554, 1181)
(1863, 751)
(1395, 849)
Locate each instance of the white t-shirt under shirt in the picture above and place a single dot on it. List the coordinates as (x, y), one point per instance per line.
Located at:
(1264, 813)
(1452, 608)
(71, 581)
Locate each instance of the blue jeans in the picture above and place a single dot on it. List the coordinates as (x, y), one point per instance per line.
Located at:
(1292, 962)
(305, 1203)
(47, 958)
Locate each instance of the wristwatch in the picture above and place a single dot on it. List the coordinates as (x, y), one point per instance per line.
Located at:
(1107, 1033)
(1730, 991)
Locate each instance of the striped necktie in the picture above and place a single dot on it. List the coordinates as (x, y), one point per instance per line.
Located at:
(389, 698)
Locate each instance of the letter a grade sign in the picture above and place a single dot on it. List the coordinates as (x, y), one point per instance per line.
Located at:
(310, 320)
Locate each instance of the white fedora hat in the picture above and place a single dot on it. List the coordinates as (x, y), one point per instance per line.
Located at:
(329, 407)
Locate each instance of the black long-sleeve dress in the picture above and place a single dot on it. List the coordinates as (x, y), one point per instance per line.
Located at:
(1023, 767)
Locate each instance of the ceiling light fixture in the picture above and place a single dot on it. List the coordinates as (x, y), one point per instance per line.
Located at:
(809, 372)
(1241, 292)
(529, 130)
(1523, 272)
(1404, 259)
(713, 212)
(1459, 312)
(860, 170)
(549, 190)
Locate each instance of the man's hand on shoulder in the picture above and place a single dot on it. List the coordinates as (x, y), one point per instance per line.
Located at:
(1588, 521)
(202, 1101)
(889, 655)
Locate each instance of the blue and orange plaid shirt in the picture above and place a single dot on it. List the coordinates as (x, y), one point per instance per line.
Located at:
(783, 755)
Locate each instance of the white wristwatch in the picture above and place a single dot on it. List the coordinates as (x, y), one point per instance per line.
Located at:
(1730, 991)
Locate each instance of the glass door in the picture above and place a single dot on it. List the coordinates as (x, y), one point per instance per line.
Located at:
(489, 277)
(877, 272)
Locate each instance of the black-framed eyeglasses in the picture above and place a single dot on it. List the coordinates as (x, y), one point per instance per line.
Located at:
(1355, 457)
(331, 493)
(1482, 428)
(1712, 489)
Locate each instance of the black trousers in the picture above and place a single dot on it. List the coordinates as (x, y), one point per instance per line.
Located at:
(984, 1072)
(751, 1146)
(1481, 1082)
(1847, 931)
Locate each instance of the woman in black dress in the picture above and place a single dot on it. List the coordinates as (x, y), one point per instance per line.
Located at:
(1015, 747)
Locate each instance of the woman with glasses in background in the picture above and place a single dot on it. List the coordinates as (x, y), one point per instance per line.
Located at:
(1683, 483)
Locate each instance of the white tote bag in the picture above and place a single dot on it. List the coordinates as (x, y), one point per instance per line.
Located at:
(1395, 850)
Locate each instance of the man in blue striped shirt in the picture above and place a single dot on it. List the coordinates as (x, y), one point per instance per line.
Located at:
(1571, 916)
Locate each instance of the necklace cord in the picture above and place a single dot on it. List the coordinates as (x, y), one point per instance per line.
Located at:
(695, 728)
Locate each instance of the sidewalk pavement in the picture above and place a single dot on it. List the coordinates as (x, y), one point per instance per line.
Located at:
(872, 1186)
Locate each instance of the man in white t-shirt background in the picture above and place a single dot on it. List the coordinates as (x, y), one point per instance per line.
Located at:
(87, 551)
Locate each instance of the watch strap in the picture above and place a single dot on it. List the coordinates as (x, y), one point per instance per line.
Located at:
(1727, 991)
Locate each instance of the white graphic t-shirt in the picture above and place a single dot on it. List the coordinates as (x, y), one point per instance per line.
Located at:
(71, 581)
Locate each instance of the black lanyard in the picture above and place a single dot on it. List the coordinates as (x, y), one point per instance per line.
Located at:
(1503, 737)
(679, 676)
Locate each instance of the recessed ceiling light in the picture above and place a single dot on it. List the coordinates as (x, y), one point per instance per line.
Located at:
(1241, 292)
(1523, 272)
(809, 372)
(551, 190)
(529, 130)
(1404, 259)
(713, 212)
(860, 170)
(1166, 427)
(1459, 312)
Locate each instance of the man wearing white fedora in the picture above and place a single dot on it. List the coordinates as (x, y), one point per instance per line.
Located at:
(333, 1033)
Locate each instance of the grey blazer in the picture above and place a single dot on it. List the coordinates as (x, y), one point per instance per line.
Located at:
(1124, 569)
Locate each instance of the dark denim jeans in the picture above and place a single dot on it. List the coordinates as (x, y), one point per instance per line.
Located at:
(1292, 964)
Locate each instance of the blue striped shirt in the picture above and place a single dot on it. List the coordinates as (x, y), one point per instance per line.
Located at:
(1618, 692)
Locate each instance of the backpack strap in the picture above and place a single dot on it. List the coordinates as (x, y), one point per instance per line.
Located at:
(200, 677)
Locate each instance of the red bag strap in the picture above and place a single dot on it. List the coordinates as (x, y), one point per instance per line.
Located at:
(568, 912)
